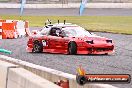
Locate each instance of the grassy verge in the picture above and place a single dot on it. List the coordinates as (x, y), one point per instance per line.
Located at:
(114, 24)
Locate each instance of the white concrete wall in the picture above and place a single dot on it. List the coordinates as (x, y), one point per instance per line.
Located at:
(12, 76)
(53, 75)
(21, 78)
(4, 67)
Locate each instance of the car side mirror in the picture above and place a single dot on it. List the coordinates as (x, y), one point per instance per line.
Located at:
(61, 35)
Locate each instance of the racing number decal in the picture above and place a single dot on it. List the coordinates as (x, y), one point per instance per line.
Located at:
(44, 43)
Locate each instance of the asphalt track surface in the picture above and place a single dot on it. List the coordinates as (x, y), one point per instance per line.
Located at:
(118, 63)
(68, 12)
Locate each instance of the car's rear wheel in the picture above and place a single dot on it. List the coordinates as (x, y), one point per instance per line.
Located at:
(37, 47)
(72, 48)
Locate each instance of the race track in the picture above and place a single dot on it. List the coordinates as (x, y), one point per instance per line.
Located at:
(118, 63)
(68, 12)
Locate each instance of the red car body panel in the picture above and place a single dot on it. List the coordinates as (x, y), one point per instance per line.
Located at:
(56, 44)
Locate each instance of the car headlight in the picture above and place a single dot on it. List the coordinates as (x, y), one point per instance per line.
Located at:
(90, 42)
(109, 41)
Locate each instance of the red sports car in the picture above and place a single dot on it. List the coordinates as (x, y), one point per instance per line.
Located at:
(68, 39)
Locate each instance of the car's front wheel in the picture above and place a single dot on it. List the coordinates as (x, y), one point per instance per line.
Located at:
(37, 47)
(72, 48)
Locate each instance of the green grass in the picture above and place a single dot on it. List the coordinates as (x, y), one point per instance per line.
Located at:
(114, 24)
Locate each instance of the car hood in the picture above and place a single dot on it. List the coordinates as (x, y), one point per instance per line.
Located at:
(93, 37)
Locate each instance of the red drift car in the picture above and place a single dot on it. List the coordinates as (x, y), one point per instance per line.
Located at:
(68, 39)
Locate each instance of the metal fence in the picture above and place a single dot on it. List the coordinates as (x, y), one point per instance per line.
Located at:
(64, 1)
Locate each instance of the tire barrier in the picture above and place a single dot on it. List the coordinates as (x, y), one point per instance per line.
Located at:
(11, 29)
(0, 33)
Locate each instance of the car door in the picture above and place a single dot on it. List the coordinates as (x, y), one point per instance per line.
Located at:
(59, 43)
(56, 42)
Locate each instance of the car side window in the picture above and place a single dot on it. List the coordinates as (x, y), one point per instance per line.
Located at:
(54, 31)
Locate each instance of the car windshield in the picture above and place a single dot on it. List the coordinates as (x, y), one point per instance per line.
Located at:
(76, 31)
